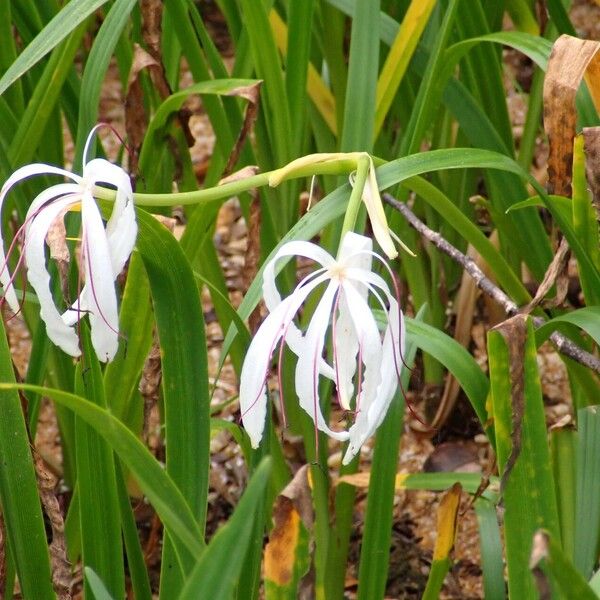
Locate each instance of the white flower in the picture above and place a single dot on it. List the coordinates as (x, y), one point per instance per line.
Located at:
(104, 251)
(361, 359)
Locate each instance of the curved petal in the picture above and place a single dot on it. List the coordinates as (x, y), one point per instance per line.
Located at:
(272, 297)
(46, 195)
(307, 370)
(393, 349)
(379, 223)
(354, 253)
(295, 248)
(52, 194)
(60, 333)
(253, 397)
(121, 229)
(98, 293)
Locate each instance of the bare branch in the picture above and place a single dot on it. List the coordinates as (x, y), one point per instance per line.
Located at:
(563, 344)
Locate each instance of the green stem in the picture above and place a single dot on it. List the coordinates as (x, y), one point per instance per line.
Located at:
(355, 202)
(233, 188)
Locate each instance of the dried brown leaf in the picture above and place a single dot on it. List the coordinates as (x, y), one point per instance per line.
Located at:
(56, 238)
(243, 173)
(292, 507)
(61, 568)
(555, 274)
(464, 307)
(571, 59)
(252, 94)
(539, 552)
(151, 26)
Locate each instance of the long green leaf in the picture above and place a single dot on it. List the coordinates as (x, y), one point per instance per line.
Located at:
(180, 326)
(74, 13)
(587, 519)
(23, 521)
(380, 499)
(154, 482)
(522, 447)
(96, 68)
(99, 514)
(549, 560)
(217, 571)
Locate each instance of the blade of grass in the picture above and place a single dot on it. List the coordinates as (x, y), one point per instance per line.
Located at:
(135, 323)
(95, 71)
(268, 67)
(549, 562)
(99, 515)
(563, 444)
(74, 13)
(22, 514)
(217, 571)
(136, 565)
(180, 326)
(492, 561)
(399, 57)
(522, 447)
(446, 535)
(154, 482)
(587, 514)
(43, 101)
(377, 532)
(361, 87)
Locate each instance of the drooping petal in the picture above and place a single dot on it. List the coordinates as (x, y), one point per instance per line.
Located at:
(379, 223)
(391, 364)
(370, 354)
(272, 297)
(98, 293)
(39, 201)
(307, 368)
(253, 397)
(354, 252)
(39, 278)
(121, 228)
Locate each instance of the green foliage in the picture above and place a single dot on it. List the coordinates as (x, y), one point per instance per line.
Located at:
(420, 86)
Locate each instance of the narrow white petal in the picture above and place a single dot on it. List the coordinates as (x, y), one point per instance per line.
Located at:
(369, 340)
(372, 201)
(121, 229)
(391, 364)
(272, 297)
(99, 290)
(295, 248)
(53, 193)
(31, 170)
(345, 349)
(354, 252)
(60, 333)
(253, 397)
(307, 368)
(17, 176)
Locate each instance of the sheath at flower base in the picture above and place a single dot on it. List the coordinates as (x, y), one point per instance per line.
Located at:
(358, 348)
(104, 251)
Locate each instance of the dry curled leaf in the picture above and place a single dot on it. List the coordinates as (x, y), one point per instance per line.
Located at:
(292, 510)
(252, 94)
(571, 60)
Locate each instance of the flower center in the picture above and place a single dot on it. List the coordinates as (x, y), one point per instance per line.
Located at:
(337, 271)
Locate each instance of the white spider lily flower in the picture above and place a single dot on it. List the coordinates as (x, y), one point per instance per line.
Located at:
(364, 366)
(104, 251)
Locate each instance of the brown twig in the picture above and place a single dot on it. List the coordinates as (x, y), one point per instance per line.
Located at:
(563, 344)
